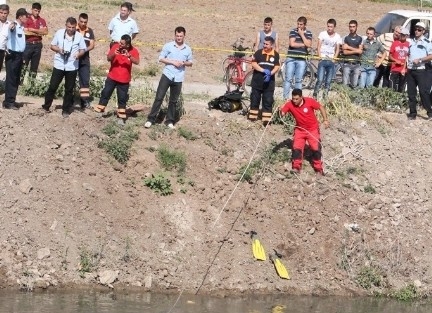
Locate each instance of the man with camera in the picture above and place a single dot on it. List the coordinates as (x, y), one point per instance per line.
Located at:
(121, 55)
(69, 46)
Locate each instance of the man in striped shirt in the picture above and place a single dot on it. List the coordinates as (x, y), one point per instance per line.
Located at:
(383, 71)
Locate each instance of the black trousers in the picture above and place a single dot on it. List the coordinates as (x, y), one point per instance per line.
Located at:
(265, 96)
(175, 89)
(423, 80)
(2, 57)
(384, 73)
(122, 93)
(56, 78)
(32, 56)
(397, 81)
(14, 62)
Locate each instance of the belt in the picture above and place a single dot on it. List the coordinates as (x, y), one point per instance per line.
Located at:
(417, 69)
(34, 42)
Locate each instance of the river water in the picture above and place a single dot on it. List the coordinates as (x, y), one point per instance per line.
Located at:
(110, 302)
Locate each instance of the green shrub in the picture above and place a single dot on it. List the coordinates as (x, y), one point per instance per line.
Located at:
(249, 172)
(170, 159)
(119, 141)
(407, 293)
(369, 277)
(369, 189)
(159, 183)
(187, 134)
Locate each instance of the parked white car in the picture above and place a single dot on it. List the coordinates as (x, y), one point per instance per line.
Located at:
(404, 18)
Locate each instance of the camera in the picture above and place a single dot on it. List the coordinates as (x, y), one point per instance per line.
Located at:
(66, 55)
(121, 50)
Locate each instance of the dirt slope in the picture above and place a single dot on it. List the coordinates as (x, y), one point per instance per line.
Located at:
(66, 205)
(63, 197)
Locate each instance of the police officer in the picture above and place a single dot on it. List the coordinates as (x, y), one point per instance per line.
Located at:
(14, 58)
(419, 72)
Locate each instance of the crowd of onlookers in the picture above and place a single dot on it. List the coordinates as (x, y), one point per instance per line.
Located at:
(390, 60)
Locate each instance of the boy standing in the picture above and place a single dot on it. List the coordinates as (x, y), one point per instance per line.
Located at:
(398, 54)
(328, 49)
(306, 129)
(267, 31)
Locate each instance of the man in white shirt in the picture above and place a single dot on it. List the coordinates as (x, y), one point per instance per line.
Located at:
(123, 24)
(328, 49)
(4, 29)
(69, 46)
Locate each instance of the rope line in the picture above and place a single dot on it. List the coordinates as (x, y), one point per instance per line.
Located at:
(220, 213)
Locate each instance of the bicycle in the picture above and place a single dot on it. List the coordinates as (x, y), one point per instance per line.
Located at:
(236, 73)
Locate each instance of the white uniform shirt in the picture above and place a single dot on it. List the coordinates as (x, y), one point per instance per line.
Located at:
(4, 30)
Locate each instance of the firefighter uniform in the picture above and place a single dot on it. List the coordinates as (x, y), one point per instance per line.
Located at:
(307, 129)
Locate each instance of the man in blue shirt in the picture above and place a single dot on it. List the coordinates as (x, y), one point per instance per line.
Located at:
(69, 46)
(176, 55)
(14, 58)
(123, 24)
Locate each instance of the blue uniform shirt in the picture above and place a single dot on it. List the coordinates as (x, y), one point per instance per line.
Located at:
(16, 38)
(418, 49)
(119, 28)
(171, 51)
(72, 46)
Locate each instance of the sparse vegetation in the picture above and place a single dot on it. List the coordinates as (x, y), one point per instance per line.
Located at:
(407, 293)
(369, 189)
(170, 159)
(86, 262)
(159, 183)
(119, 141)
(369, 277)
(186, 133)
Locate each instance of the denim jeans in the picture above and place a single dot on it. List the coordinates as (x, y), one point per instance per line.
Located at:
(351, 73)
(367, 76)
(175, 89)
(294, 68)
(326, 72)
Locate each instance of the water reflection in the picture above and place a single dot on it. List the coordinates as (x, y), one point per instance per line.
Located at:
(113, 302)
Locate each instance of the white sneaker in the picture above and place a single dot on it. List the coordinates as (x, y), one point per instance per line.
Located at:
(148, 124)
(171, 126)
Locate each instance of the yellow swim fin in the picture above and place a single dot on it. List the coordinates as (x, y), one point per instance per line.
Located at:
(280, 268)
(257, 248)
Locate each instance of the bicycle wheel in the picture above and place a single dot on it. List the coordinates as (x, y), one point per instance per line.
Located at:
(281, 74)
(231, 74)
(225, 64)
(309, 77)
(247, 83)
(337, 78)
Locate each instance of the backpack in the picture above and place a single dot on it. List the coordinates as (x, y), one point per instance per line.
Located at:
(231, 101)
